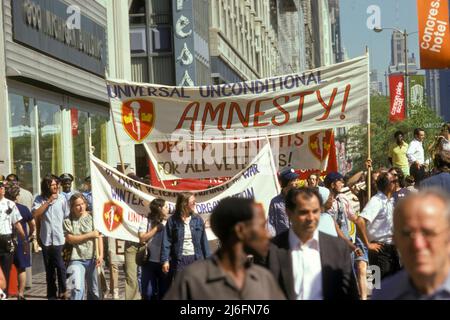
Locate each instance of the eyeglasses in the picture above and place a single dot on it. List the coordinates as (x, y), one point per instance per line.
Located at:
(426, 234)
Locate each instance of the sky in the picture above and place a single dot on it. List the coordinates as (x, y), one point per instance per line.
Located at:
(401, 14)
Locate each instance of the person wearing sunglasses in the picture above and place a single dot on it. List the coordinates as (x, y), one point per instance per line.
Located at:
(422, 236)
(375, 226)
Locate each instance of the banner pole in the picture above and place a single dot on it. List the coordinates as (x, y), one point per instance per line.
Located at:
(369, 149)
(114, 126)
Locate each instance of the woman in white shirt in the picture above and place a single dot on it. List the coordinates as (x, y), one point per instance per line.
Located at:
(154, 282)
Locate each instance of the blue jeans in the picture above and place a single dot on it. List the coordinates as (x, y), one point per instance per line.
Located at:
(80, 273)
(154, 282)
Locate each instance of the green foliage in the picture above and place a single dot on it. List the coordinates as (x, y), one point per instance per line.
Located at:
(382, 136)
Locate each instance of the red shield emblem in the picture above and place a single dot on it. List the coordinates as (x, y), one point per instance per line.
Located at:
(112, 215)
(319, 144)
(138, 117)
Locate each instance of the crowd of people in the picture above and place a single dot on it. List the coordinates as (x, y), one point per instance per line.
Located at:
(318, 241)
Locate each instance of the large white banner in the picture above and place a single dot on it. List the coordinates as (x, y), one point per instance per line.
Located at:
(120, 203)
(196, 160)
(323, 98)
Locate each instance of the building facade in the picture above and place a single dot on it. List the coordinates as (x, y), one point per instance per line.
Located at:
(336, 40)
(243, 42)
(321, 22)
(438, 92)
(53, 88)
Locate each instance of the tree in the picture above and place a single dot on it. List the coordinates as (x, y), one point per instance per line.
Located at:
(382, 132)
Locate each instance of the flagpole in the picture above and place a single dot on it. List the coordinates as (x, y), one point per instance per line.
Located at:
(114, 126)
(369, 149)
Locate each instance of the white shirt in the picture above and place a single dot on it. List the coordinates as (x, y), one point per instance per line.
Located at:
(379, 215)
(188, 245)
(415, 152)
(7, 221)
(306, 266)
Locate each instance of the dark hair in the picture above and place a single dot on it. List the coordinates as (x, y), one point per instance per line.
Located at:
(305, 192)
(156, 206)
(397, 133)
(14, 176)
(400, 176)
(182, 205)
(228, 213)
(12, 191)
(46, 183)
(417, 131)
(383, 181)
(74, 198)
(441, 162)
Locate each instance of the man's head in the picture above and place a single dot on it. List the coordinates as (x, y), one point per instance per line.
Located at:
(419, 134)
(313, 180)
(304, 206)
(335, 182)
(398, 175)
(442, 160)
(49, 185)
(422, 234)
(288, 177)
(66, 180)
(12, 178)
(87, 183)
(386, 183)
(399, 137)
(3, 184)
(241, 220)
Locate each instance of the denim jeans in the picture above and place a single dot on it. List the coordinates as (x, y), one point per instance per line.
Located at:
(53, 260)
(154, 282)
(79, 274)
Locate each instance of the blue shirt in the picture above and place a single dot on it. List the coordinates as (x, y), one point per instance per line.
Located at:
(399, 287)
(52, 220)
(67, 195)
(326, 224)
(88, 196)
(441, 180)
(278, 219)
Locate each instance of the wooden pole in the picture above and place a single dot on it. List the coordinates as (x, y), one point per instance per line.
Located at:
(369, 149)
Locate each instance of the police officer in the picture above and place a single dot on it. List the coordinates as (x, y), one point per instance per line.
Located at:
(66, 180)
(9, 218)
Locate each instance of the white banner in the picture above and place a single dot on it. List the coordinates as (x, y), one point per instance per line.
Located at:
(197, 160)
(323, 98)
(121, 203)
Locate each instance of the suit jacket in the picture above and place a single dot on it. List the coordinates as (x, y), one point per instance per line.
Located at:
(338, 279)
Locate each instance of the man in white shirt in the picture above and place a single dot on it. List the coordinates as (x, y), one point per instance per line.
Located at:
(375, 226)
(309, 264)
(416, 156)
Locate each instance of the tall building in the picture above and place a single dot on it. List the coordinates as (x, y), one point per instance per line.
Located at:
(291, 36)
(323, 46)
(438, 92)
(336, 39)
(243, 41)
(398, 55)
(310, 58)
(52, 86)
(376, 87)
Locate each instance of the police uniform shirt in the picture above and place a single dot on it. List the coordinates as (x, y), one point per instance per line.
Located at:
(7, 221)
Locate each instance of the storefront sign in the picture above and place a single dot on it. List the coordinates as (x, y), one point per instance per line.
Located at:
(60, 31)
(184, 42)
(324, 98)
(121, 203)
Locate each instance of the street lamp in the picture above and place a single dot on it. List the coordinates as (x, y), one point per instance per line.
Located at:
(405, 37)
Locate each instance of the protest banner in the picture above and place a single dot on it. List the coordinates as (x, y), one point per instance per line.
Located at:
(122, 203)
(324, 98)
(196, 160)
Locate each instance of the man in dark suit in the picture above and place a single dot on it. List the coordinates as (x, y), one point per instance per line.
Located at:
(308, 264)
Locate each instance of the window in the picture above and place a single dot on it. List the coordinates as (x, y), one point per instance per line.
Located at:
(80, 146)
(22, 134)
(98, 136)
(49, 132)
(161, 39)
(137, 12)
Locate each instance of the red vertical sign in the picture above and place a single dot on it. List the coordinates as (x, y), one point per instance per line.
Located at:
(74, 121)
(397, 89)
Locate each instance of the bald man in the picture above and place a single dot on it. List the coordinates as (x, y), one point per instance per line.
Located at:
(422, 236)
